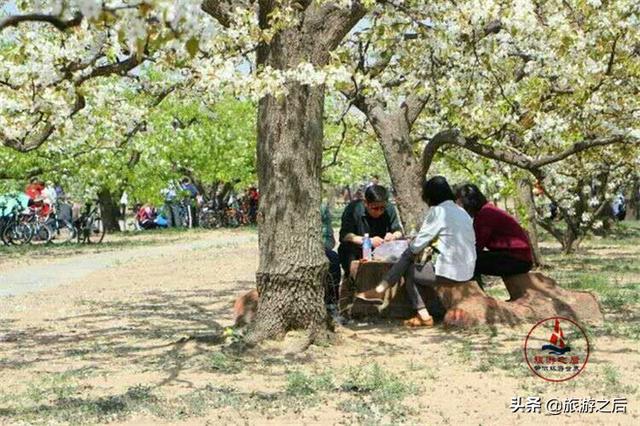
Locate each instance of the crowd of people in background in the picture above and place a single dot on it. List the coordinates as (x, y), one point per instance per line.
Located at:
(184, 205)
(40, 198)
(187, 205)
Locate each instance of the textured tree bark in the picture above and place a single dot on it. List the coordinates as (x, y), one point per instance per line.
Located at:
(292, 262)
(109, 210)
(404, 169)
(393, 129)
(527, 202)
(293, 266)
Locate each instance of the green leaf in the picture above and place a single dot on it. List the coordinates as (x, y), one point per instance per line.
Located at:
(192, 46)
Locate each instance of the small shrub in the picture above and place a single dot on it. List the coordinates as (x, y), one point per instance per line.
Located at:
(300, 384)
(224, 363)
(383, 386)
(377, 393)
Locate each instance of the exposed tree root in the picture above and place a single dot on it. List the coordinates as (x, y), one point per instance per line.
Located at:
(533, 297)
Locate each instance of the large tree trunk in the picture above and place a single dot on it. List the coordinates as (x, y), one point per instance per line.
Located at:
(292, 262)
(393, 129)
(530, 221)
(109, 210)
(405, 172)
(293, 266)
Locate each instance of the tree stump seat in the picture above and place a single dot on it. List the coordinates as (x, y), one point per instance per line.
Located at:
(533, 297)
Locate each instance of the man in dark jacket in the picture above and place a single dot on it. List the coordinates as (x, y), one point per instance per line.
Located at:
(373, 216)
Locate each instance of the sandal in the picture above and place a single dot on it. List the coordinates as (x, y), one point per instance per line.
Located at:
(417, 321)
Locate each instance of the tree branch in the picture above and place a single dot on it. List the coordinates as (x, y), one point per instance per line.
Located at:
(332, 23)
(612, 56)
(220, 10)
(336, 151)
(551, 229)
(57, 22)
(454, 137)
(140, 126)
(579, 147)
(120, 67)
(413, 106)
(22, 145)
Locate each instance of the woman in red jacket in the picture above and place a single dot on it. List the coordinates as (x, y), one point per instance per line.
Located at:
(502, 244)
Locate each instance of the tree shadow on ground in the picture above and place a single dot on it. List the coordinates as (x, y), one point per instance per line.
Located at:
(394, 337)
(154, 333)
(496, 339)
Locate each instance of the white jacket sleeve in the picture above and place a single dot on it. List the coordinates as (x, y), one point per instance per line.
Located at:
(431, 227)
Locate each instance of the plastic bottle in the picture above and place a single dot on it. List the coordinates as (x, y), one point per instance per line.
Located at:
(366, 247)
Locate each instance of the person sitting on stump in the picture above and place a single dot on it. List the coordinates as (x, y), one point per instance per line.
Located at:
(448, 230)
(373, 216)
(503, 247)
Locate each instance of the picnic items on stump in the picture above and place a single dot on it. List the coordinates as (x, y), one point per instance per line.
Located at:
(390, 251)
(533, 296)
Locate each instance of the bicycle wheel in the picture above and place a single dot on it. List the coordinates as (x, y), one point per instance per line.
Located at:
(17, 234)
(63, 232)
(182, 219)
(96, 231)
(4, 229)
(41, 234)
(3, 224)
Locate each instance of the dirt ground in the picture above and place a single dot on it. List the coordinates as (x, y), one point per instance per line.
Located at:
(107, 347)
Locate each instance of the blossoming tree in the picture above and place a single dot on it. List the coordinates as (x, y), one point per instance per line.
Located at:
(528, 84)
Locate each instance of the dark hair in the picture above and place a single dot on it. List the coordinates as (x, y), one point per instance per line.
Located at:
(376, 194)
(472, 198)
(436, 190)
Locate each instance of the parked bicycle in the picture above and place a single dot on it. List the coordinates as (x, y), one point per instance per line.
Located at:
(184, 218)
(14, 230)
(211, 217)
(40, 231)
(62, 230)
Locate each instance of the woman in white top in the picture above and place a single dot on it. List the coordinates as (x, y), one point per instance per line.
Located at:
(449, 230)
